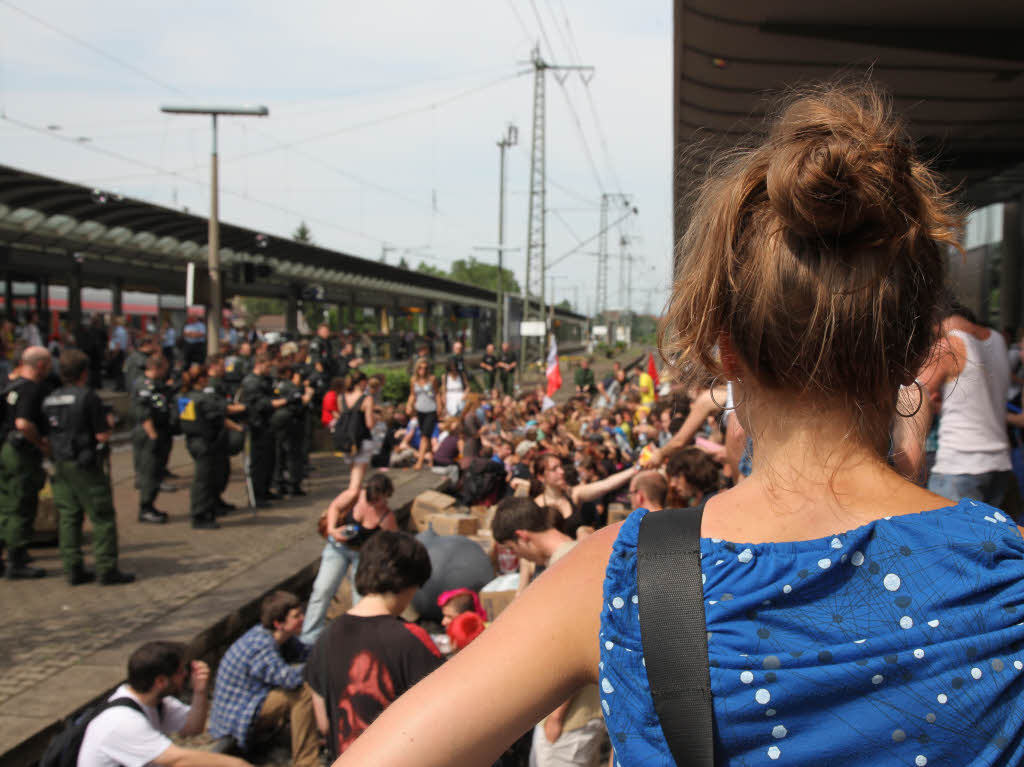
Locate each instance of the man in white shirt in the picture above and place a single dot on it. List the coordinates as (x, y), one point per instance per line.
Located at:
(122, 736)
(571, 734)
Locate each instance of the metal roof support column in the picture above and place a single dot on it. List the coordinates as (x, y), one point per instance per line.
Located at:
(291, 319)
(1010, 270)
(43, 306)
(9, 295)
(74, 298)
(116, 302)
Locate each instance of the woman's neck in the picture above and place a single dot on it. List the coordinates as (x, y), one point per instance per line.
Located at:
(812, 477)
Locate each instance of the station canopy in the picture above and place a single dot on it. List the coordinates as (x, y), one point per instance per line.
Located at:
(955, 71)
(48, 225)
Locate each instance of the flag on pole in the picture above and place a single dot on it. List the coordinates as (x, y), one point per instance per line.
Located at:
(554, 374)
(652, 369)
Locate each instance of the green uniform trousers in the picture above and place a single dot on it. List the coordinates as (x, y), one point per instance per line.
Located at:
(149, 472)
(207, 479)
(80, 491)
(21, 479)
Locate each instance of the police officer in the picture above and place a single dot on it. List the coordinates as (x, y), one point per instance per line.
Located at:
(507, 364)
(257, 394)
(288, 423)
(236, 431)
(22, 429)
(135, 362)
(79, 437)
(237, 366)
(152, 437)
(347, 360)
(202, 414)
(489, 366)
(320, 350)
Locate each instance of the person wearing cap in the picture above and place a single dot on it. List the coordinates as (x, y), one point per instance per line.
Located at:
(135, 363)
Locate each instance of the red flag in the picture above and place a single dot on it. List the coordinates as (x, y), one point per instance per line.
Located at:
(652, 371)
(554, 373)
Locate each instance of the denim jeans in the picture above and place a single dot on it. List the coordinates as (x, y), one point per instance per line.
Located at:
(989, 487)
(335, 561)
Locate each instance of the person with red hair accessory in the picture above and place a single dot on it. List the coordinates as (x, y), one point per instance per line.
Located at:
(455, 602)
(464, 628)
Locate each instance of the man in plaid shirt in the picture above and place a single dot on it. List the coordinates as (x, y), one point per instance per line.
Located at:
(257, 690)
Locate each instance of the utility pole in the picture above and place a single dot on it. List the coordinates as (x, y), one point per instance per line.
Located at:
(602, 259)
(511, 138)
(602, 250)
(536, 219)
(214, 310)
(623, 242)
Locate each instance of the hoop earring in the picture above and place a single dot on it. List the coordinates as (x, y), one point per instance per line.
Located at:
(719, 405)
(920, 401)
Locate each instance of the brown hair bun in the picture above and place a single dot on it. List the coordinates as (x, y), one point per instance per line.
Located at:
(820, 254)
(839, 167)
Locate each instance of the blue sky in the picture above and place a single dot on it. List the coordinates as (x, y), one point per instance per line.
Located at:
(389, 112)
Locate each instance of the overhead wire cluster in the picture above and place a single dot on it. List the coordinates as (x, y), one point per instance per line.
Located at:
(276, 144)
(569, 50)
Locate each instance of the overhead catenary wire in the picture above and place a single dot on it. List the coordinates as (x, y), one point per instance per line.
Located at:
(98, 51)
(156, 171)
(574, 54)
(581, 134)
(166, 171)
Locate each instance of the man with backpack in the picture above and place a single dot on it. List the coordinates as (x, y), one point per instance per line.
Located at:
(131, 729)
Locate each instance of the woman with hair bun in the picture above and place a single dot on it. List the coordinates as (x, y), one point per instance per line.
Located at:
(853, 617)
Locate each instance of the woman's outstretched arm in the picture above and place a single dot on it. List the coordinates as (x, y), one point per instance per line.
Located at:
(541, 649)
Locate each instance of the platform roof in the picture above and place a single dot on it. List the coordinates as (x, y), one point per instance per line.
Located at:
(43, 221)
(955, 71)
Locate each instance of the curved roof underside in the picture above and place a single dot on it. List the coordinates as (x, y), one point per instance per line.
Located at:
(955, 71)
(43, 220)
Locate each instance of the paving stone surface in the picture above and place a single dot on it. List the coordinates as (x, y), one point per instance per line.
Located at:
(61, 646)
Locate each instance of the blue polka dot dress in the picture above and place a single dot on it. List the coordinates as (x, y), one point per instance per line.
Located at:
(898, 643)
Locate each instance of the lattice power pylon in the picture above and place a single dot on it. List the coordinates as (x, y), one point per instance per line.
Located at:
(601, 304)
(534, 298)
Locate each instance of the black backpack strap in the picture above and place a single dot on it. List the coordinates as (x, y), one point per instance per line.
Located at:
(670, 594)
(129, 703)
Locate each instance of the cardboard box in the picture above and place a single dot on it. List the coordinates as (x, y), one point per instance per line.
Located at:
(617, 512)
(496, 601)
(453, 524)
(427, 503)
(485, 514)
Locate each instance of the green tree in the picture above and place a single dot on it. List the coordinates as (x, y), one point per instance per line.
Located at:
(483, 275)
(257, 307)
(433, 271)
(564, 304)
(402, 263)
(302, 234)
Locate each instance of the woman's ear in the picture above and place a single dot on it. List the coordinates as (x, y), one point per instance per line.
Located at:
(727, 353)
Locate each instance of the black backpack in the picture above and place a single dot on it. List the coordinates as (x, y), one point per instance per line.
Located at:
(483, 482)
(350, 429)
(63, 749)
